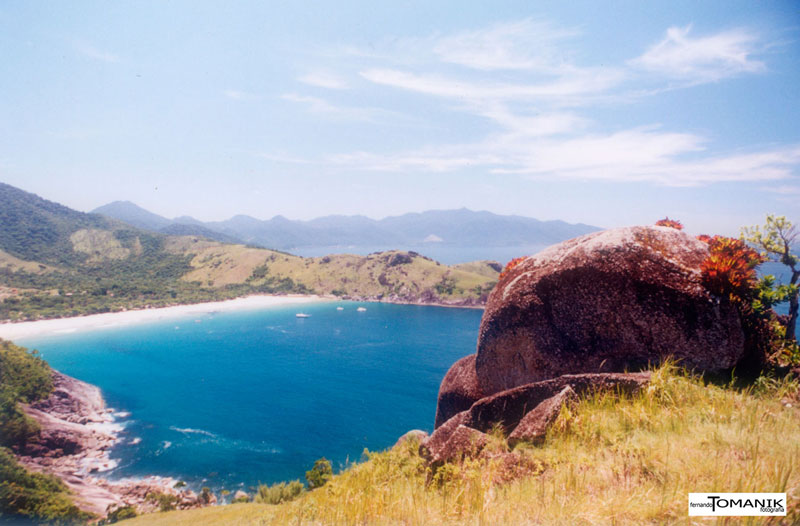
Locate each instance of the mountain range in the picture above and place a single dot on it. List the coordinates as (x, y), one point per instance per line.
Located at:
(55, 261)
(463, 227)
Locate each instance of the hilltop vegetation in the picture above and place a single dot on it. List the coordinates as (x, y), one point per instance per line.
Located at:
(605, 461)
(56, 262)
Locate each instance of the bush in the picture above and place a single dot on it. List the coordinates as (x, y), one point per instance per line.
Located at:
(319, 474)
(119, 514)
(165, 501)
(35, 496)
(280, 492)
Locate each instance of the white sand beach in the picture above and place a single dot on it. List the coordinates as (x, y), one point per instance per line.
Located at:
(27, 329)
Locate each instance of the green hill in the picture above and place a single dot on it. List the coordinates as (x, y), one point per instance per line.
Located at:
(55, 261)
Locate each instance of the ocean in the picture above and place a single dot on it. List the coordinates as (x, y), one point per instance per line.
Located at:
(233, 399)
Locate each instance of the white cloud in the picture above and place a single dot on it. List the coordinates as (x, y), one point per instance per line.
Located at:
(94, 53)
(321, 106)
(323, 79)
(521, 78)
(583, 82)
(702, 59)
(523, 45)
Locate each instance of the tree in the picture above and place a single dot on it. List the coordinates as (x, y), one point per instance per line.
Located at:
(777, 239)
(319, 474)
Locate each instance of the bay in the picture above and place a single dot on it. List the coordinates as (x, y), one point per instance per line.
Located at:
(233, 399)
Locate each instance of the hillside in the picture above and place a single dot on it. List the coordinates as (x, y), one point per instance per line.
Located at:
(455, 228)
(604, 461)
(55, 261)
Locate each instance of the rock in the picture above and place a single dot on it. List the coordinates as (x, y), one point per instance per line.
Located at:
(507, 408)
(434, 445)
(241, 496)
(463, 442)
(609, 301)
(533, 426)
(417, 435)
(458, 391)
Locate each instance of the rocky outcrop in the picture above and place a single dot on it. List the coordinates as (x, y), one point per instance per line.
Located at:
(533, 426)
(524, 412)
(76, 434)
(458, 391)
(611, 301)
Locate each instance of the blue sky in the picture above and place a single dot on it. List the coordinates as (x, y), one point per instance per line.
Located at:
(603, 113)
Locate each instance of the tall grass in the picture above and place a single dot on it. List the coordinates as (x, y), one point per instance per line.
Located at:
(606, 460)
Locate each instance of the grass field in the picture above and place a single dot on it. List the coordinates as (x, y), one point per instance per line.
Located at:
(605, 461)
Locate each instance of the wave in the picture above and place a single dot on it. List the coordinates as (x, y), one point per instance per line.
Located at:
(189, 430)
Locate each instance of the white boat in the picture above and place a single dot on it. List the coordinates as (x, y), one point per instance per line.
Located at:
(339, 308)
(362, 309)
(302, 315)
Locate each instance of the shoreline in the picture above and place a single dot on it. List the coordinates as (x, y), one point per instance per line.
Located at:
(107, 320)
(111, 320)
(77, 432)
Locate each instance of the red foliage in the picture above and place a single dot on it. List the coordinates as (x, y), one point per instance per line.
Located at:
(730, 268)
(511, 264)
(672, 223)
(704, 238)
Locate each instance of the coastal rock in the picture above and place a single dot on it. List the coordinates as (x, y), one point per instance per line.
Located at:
(533, 426)
(458, 391)
(76, 434)
(463, 442)
(610, 301)
(417, 435)
(507, 408)
(434, 445)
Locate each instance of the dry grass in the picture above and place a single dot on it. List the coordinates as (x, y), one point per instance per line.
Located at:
(605, 461)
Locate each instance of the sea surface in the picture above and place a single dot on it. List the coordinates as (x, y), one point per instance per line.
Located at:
(233, 399)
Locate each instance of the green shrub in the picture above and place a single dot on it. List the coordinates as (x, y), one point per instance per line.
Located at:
(165, 501)
(280, 492)
(119, 514)
(34, 496)
(319, 474)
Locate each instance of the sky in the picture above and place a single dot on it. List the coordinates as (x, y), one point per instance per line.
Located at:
(606, 113)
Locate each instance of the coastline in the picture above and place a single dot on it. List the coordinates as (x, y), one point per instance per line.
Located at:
(76, 434)
(27, 329)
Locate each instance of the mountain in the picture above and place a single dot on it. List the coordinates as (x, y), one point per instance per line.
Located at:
(55, 261)
(137, 216)
(455, 228)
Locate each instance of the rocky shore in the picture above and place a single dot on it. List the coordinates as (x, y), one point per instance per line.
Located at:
(76, 434)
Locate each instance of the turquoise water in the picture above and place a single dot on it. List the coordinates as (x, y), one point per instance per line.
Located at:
(234, 399)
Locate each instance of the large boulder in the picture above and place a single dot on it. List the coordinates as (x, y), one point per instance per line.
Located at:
(610, 301)
(459, 390)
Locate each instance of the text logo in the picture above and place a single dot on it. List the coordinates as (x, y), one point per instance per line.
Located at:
(737, 504)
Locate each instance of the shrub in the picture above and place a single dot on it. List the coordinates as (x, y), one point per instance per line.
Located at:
(319, 474)
(730, 268)
(280, 492)
(165, 501)
(119, 514)
(671, 223)
(511, 264)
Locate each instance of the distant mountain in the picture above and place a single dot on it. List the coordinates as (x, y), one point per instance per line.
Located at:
(55, 261)
(455, 228)
(137, 216)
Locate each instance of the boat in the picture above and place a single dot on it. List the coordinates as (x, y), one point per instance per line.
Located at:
(302, 315)
(362, 309)
(339, 308)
